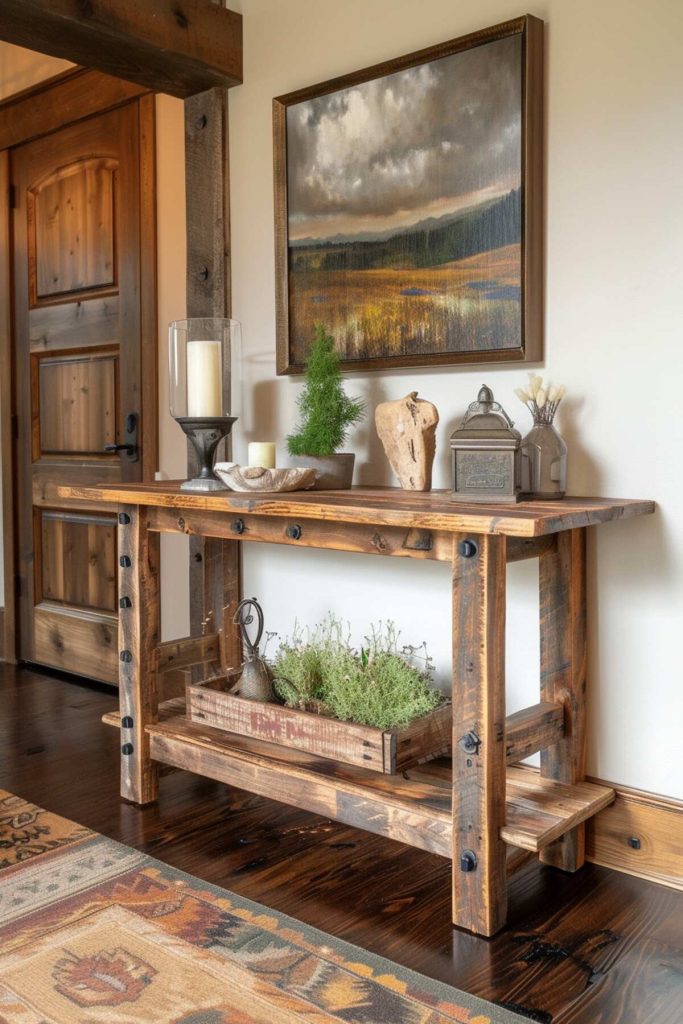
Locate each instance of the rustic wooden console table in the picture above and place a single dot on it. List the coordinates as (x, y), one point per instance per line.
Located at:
(482, 810)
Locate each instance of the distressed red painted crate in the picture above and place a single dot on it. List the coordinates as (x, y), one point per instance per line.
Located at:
(388, 751)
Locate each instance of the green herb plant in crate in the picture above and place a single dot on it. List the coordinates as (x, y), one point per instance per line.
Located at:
(381, 685)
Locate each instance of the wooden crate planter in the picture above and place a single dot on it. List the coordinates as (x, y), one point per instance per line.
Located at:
(388, 751)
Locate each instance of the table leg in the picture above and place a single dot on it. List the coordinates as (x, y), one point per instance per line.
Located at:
(479, 876)
(138, 639)
(563, 675)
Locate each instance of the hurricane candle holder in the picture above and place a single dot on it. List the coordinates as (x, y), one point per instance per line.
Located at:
(203, 352)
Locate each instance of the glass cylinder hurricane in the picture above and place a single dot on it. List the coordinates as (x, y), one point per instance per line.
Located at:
(204, 354)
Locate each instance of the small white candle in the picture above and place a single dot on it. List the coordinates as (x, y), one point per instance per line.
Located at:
(204, 379)
(261, 453)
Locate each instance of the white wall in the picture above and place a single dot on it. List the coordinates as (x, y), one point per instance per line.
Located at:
(21, 68)
(613, 336)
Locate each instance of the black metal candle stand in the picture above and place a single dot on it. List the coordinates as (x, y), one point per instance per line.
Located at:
(205, 433)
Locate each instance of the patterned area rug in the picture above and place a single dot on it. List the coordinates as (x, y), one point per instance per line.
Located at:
(92, 931)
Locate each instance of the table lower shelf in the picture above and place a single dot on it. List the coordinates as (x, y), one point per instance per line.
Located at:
(413, 808)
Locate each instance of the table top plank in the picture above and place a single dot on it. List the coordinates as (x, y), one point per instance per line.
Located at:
(379, 506)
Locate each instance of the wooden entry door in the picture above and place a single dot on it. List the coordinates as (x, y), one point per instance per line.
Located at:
(84, 341)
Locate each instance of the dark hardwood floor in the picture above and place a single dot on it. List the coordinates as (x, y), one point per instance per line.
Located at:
(597, 947)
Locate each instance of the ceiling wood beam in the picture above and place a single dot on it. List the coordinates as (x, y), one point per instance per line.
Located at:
(179, 47)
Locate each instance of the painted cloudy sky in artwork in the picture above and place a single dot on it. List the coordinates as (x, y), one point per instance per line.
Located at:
(420, 143)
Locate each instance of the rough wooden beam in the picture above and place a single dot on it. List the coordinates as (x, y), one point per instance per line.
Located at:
(391, 541)
(539, 812)
(215, 566)
(520, 548)
(562, 578)
(533, 729)
(192, 650)
(386, 805)
(139, 628)
(479, 878)
(179, 47)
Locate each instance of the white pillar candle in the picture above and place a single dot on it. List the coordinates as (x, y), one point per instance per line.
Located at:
(261, 453)
(204, 379)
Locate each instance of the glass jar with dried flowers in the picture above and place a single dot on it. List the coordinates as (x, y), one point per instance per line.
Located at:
(544, 453)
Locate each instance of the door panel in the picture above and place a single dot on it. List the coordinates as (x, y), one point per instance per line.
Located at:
(79, 324)
(77, 289)
(71, 218)
(76, 405)
(78, 560)
(76, 641)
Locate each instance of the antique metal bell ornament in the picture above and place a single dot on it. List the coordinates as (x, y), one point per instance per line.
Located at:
(486, 453)
(255, 683)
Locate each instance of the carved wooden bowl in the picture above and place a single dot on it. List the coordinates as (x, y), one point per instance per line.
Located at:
(255, 478)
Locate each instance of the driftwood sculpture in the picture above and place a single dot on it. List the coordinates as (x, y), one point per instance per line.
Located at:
(407, 430)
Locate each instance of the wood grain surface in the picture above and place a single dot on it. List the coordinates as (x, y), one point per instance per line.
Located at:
(83, 242)
(478, 768)
(388, 506)
(215, 567)
(383, 750)
(563, 625)
(139, 629)
(180, 48)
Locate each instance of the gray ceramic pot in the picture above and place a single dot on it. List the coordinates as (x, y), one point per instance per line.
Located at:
(332, 472)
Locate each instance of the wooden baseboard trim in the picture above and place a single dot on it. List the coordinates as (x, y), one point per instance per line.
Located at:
(639, 834)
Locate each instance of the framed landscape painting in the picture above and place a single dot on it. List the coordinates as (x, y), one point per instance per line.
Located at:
(408, 207)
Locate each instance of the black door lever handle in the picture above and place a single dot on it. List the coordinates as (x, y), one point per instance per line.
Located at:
(131, 447)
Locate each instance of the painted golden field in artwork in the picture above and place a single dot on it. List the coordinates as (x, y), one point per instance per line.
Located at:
(463, 305)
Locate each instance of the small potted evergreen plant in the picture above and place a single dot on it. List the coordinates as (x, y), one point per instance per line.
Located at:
(326, 413)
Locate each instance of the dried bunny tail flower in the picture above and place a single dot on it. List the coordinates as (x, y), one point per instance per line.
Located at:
(561, 392)
(523, 395)
(553, 390)
(541, 398)
(535, 384)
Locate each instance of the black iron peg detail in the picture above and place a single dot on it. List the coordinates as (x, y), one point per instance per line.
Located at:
(468, 860)
(470, 742)
(467, 548)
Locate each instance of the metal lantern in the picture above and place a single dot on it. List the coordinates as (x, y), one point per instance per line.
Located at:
(486, 453)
